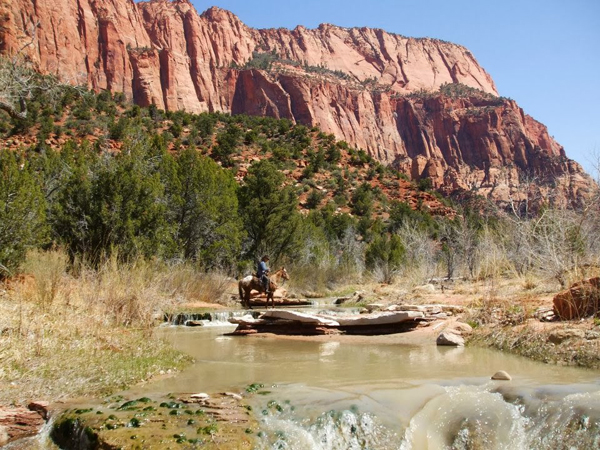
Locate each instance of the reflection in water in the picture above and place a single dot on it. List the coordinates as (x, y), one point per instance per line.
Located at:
(327, 349)
(336, 395)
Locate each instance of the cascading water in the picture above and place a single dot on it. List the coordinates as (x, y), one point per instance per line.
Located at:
(220, 318)
(212, 318)
(463, 417)
(332, 393)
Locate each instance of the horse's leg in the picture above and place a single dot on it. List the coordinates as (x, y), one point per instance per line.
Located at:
(247, 298)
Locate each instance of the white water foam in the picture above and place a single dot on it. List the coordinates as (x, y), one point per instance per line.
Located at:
(460, 418)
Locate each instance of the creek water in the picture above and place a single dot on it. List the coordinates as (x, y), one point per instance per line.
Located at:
(331, 394)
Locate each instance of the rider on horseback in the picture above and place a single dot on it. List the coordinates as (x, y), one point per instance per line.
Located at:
(262, 273)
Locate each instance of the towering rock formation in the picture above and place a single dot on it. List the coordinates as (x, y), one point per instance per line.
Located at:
(376, 90)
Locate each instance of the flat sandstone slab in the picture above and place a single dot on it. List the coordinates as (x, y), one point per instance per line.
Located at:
(286, 322)
(300, 317)
(381, 318)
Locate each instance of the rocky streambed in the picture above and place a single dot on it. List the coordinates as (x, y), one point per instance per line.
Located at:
(349, 378)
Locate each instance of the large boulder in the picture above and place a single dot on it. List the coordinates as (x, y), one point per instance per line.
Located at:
(580, 300)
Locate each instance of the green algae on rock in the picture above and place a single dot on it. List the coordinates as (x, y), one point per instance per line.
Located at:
(219, 422)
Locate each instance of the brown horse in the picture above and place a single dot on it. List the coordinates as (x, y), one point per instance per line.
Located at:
(245, 285)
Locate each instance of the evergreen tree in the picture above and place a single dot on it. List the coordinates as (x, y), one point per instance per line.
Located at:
(116, 203)
(22, 212)
(205, 210)
(269, 211)
(70, 210)
(386, 254)
(362, 200)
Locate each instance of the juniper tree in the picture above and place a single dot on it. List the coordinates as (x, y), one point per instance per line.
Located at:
(22, 211)
(205, 211)
(269, 211)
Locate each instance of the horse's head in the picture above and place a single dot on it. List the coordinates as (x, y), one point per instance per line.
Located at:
(284, 274)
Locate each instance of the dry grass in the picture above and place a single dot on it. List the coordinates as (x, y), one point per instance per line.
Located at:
(90, 331)
(534, 343)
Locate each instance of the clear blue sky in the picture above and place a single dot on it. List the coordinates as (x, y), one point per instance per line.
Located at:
(545, 54)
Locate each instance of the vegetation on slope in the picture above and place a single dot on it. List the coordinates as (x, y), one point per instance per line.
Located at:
(117, 211)
(96, 176)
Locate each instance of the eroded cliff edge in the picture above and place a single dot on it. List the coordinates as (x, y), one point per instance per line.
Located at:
(376, 90)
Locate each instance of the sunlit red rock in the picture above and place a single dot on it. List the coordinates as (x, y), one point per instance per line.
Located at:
(164, 52)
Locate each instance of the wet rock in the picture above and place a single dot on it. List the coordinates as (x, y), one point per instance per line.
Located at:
(214, 423)
(356, 297)
(201, 396)
(233, 395)
(559, 336)
(447, 338)
(194, 323)
(246, 320)
(582, 299)
(501, 375)
(17, 423)
(41, 407)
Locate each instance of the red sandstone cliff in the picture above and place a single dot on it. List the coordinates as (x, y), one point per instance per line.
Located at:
(358, 84)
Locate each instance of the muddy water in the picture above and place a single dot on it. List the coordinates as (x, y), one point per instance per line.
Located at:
(342, 395)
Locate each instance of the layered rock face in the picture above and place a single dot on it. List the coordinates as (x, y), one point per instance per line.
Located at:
(365, 86)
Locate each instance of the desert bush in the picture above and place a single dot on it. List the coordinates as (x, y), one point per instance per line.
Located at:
(557, 242)
(384, 256)
(421, 253)
(495, 259)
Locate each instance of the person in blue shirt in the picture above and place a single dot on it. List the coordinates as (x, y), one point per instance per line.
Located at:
(262, 272)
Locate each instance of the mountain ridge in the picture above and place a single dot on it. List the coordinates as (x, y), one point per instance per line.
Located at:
(376, 90)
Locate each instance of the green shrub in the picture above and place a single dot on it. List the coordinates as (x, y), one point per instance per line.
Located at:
(22, 212)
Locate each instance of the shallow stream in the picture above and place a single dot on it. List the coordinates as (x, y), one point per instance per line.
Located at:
(385, 395)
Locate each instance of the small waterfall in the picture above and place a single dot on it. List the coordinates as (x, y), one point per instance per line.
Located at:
(461, 418)
(221, 318)
(332, 430)
(212, 318)
(465, 418)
